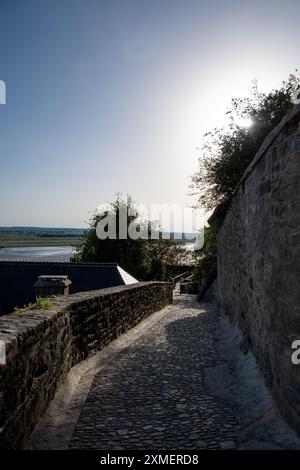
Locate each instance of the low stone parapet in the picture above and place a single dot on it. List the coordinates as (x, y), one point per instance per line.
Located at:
(41, 346)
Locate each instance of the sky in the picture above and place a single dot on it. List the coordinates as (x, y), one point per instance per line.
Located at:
(108, 96)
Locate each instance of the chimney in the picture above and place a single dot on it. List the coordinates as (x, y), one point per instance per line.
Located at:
(49, 285)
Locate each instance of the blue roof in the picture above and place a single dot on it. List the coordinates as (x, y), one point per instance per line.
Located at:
(17, 279)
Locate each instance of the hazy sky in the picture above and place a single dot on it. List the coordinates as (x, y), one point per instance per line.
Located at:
(107, 96)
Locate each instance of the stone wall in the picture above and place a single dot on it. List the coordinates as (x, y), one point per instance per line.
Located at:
(42, 346)
(259, 260)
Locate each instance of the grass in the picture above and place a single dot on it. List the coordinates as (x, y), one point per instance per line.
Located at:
(42, 303)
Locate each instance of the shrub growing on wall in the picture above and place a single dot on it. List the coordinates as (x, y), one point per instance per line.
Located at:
(227, 152)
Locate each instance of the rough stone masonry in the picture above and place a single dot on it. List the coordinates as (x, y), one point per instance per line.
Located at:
(258, 260)
(43, 345)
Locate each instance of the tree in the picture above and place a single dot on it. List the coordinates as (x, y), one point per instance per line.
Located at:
(129, 254)
(163, 253)
(228, 152)
(143, 258)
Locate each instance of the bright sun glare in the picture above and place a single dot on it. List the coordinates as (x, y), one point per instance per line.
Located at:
(244, 122)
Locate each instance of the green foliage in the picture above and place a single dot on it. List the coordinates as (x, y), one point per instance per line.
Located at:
(42, 303)
(161, 253)
(228, 152)
(207, 255)
(143, 258)
(129, 254)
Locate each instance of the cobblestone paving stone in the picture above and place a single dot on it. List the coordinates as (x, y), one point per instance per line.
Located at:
(153, 395)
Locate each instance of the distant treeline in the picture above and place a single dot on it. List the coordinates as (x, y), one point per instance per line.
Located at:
(44, 231)
(56, 235)
(76, 232)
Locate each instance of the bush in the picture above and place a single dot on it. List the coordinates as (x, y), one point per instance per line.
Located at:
(227, 153)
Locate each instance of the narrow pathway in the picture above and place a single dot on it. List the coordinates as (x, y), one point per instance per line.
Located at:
(153, 395)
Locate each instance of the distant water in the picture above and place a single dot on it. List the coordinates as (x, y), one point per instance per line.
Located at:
(46, 253)
(37, 253)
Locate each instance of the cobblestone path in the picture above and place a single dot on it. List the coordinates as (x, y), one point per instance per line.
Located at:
(153, 396)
